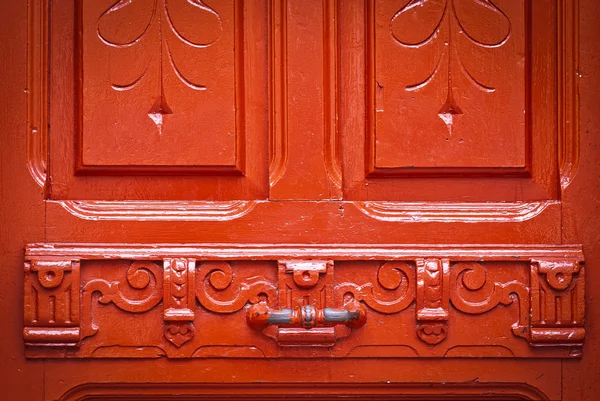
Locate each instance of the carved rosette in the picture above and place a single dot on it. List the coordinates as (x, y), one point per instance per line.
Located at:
(304, 303)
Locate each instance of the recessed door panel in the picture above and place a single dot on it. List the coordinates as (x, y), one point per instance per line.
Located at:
(158, 99)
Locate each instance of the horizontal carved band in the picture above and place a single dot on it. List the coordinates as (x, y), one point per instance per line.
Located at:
(210, 300)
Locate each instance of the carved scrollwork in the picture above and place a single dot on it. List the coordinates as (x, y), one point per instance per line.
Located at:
(310, 302)
(141, 291)
(217, 292)
(474, 294)
(394, 293)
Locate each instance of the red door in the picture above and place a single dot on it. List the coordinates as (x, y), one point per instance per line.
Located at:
(376, 199)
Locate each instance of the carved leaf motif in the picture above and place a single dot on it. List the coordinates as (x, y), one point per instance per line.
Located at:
(482, 22)
(118, 25)
(417, 23)
(185, 20)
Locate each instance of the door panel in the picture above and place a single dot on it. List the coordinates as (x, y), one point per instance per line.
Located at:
(455, 99)
(131, 106)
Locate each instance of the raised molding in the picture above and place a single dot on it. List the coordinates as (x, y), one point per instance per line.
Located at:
(473, 212)
(37, 90)
(356, 391)
(278, 135)
(158, 210)
(568, 90)
(303, 297)
(247, 391)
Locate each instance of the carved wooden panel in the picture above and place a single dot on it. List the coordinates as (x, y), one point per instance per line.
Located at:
(457, 94)
(165, 98)
(258, 301)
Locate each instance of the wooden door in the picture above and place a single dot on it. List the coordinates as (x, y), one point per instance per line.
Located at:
(387, 199)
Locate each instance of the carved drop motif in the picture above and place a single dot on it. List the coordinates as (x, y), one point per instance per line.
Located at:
(265, 303)
(449, 25)
(159, 24)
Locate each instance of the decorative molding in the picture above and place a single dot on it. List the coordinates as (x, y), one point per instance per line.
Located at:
(449, 25)
(37, 90)
(331, 86)
(278, 134)
(158, 210)
(355, 391)
(302, 297)
(179, 299)
(433, 299)
(568, 90)
(51, 303)
(449, 212)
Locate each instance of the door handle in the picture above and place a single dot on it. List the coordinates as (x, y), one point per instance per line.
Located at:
(352, 315)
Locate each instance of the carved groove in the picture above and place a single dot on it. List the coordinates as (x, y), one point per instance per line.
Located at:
(331, 88)
(37, 90)
(568, 89)
(278, 91)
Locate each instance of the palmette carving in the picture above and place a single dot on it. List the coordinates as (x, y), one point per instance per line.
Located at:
(432, 299)
(448, 28)
(308, 306)
(179, 299)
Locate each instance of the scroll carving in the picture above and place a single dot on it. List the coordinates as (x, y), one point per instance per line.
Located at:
(474, 294)
(394, 291)
(141, 291)
(269, 301)
(217, 292)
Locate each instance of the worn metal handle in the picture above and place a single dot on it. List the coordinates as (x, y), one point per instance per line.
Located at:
(353, 315)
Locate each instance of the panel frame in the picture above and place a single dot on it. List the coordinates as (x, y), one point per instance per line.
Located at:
(69, 179)
(238, 168)
(537, 180)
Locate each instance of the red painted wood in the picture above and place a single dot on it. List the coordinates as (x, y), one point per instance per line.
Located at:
(257, 200)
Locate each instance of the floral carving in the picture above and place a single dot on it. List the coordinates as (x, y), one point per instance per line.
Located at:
(448, 24)
(161, 26)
